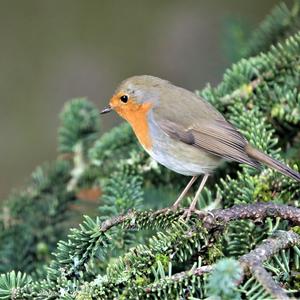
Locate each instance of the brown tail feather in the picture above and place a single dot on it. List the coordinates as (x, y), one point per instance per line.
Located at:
(271, 162)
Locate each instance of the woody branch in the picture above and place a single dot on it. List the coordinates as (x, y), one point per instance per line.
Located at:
(253, 262)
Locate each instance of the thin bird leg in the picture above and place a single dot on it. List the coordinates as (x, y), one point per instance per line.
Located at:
(193, 204)
(186, 189)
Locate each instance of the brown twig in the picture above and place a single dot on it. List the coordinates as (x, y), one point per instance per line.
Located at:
(253, 260)
(257, 212)
(197, 271)
(245, 90)
(117, 220)
(218, 217)
(178, 277)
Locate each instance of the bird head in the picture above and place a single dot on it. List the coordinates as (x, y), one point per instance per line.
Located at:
(135, 95)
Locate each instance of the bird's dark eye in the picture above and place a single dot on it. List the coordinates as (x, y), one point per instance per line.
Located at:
(124, 98)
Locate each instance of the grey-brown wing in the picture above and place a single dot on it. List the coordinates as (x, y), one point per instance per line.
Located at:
(219, 138)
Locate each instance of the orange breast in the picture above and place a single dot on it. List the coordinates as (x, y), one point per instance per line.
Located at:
(136, 115)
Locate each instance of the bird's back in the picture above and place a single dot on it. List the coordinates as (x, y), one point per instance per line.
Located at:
(189, 119)
(184, 107)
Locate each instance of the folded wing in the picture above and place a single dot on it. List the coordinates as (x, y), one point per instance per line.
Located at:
(217, 137)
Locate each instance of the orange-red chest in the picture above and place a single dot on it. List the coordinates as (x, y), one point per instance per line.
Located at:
(137, 117)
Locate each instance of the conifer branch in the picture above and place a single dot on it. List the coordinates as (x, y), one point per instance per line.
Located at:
(245, 90)
(116, 220)
(214, 218)
(253, 260)
(257, 212)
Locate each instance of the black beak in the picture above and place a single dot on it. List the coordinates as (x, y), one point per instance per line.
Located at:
(106, 110)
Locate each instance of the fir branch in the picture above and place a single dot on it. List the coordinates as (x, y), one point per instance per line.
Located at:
(79, 124)
(215, 219)
(197, 271)
(256, 212)
(253, 260)
(281, 22)
(211, 219)
(70, 256)
(249, 262)
(35, 218)
(116, 220)
(254, 78)
(11, 283)
(245, 90)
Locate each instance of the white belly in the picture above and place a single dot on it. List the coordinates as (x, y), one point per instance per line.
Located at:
(177, 165)
(177, 156)
(181, 158)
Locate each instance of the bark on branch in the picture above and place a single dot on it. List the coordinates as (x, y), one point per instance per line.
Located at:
(256, 212)
(217, 217)
(253, 262)
(254, 259)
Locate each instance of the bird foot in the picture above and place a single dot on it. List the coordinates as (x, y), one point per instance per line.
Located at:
(174, 208)
(187, 213)
(192, 210)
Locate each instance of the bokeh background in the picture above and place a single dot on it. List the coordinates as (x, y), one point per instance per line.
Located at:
(54, 50)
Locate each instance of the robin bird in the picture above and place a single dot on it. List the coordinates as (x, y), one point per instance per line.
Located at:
(184, 132)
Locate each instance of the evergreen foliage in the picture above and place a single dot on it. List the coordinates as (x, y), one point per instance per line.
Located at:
(84, 130)
(132, 250)
(280, 24)
(33, 219)
(221, 281)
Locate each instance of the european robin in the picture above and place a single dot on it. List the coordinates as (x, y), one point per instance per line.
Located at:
(184, 132)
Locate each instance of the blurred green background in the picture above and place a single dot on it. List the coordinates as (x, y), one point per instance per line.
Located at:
(54, 50)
